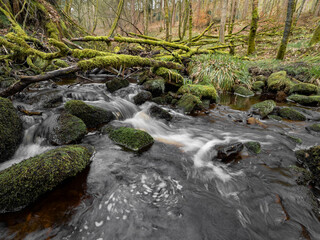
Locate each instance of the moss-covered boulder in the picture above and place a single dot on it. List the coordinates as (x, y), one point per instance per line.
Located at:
(310, 159)
(313, 101)
(264, 108)
(142, 97)
(314, 129)
(171, 76)
(258, 86)
(189, 102)
(275, 117)
(166, 99)
(254, 147)
(304, 89)
(10, 129)
(69, 129)
(201, 91)
(291, 114)
(155, 86)
(23, 183)
(243, 91)
(279, 82)
(92, 116)
(130, 138)
(116, 84)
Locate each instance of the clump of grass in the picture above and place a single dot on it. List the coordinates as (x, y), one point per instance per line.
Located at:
(220, 70)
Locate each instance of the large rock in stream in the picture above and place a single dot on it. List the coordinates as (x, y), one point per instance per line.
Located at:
(130, 138)
(313, 101)
(92, 116)
(264, 108)
(279, 82)
(116, 84)
(189, 103)
(10, 129)
(22, 183)
(201, 91)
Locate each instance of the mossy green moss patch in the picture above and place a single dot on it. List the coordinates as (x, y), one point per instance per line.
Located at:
(201, 91)
(291, 114)
(10, 129)
(279, 82)
(304, 89)
(130, 138)
(23, 183)
(155, 86)
(312, 101)
(189, 103)
(169, 75)
(264, 108)
(92, 116)
(70, 129)
(258, 86)
(314, 129)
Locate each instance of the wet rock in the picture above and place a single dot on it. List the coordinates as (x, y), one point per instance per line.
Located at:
(312, 101)
(189, 103)
(310, 159)
(53, 102)
(163, 100)
(293, 138)
(201, 91)
(158, 112)
(243, 91)
(279, 82)
(291, 114)
(314, 129)
(69, 129)
(92, 116)
(142, 97)
(130, 138)
(10, 129)
(23, 183)
(254, 121)
(304, 89)
(275, 117)
(155, 86)
(281, 96)
(257, 71)
(44, 98)
(116, 84)
(263, 108)
(228, 152)
(258, 86)
(254, 147)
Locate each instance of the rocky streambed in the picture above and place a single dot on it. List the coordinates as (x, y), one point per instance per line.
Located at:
(123, 161)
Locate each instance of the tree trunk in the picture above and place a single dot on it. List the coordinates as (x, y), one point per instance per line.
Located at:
(190, 21)
(116, 20)
(180, 19)
(245, 9)
(166, 19)
(316, 35)
(287, 30)
(223, 20)
(299, 13)
(145, 17)
(254, 27)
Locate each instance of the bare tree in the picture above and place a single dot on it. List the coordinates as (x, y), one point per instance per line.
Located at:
(223, 20)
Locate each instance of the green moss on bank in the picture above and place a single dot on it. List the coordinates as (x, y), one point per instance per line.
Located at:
(201, 91)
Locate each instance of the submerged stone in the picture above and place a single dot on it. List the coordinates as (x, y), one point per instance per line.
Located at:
(264, 108)
(291, 114)
(304, 89)
(22, 183)
(314, 129)
(10, 129)
(130, 138)
(116, 84)
(142, 97)
(92, 116)
(312, 101)
(254, 147)
(243, 91)
(201, 91)
(189, 103)
(69, 129)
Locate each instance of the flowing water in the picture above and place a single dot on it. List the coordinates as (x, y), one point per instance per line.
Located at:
(174, 190)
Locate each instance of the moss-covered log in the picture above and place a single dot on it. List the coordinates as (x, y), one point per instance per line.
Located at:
(133, 40)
